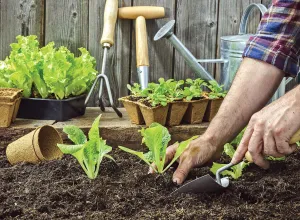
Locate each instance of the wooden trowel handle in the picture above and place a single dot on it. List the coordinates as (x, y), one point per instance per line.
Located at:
(110, 18)
(295, 138)
(148, 12)
(142, 58)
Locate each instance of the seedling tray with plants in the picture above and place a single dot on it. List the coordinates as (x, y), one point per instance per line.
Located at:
(61, 189)
(53, 80)
(172, 103)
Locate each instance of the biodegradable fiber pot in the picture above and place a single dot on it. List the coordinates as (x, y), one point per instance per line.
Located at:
(39, 145)
(212, 109)
(133, 110)
(176, 112)
(9, 105)
(154, 114)
(195, 111)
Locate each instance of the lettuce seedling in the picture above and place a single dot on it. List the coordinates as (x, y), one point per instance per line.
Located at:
(235, 171)
(216, 91)
(194, 89)
(156, 138)
(89, 153)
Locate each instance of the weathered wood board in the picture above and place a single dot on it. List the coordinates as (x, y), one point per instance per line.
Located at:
(117, 131)
(20, 17)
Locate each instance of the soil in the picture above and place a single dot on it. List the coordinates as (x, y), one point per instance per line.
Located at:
(60, 190)
(134, 98)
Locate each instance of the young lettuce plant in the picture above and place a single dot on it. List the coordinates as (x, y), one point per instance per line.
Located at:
(89, 153)
(175, 91)
(235, 171)
(216, 91)
(194, 90)
(156, 138)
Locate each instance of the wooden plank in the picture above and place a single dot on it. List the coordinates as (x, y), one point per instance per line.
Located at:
(119, 55)
(19, 17)
(160, 52)
(117, 131)
(197, 29)
(67, 23)
(230, 13)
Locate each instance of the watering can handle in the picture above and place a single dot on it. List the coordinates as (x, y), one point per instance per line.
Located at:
(246, 14)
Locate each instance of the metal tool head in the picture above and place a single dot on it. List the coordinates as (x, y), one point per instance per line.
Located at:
(203, 184)
(206, 183)
(143, 73)
(165, 30)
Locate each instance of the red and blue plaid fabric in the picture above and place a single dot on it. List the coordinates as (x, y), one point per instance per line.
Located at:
(277, 40)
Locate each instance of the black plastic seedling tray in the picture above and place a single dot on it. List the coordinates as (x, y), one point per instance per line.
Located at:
(52, 109)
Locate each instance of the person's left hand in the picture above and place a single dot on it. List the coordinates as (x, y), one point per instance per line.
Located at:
(269, 130)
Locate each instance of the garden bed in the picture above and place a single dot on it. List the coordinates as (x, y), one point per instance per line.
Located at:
(61, 190)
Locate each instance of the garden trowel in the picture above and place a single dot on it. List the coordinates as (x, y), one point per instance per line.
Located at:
(206, 184)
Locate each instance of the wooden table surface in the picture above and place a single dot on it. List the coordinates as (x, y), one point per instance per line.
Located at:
(117, 131)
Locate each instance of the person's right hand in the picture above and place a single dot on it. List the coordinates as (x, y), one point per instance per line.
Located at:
(199, 152)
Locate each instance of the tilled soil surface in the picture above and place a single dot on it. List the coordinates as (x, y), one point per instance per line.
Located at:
(61, 190)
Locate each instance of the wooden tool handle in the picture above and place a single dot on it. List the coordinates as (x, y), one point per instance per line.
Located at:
(142, 58)
(148, 12)
(110, 17)
(295, 138)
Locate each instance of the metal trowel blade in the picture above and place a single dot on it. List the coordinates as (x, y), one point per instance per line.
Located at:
(203, 184)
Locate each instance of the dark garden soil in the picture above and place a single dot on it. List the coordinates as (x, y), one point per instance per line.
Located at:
(60, 190)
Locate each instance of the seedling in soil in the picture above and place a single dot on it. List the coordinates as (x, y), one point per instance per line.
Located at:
(136, 90)
(175, 91)
(89, 153)
(235, 171)
(216, 91)
(194, 90)
(156, 138)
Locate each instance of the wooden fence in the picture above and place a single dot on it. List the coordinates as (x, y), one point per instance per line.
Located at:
(78, 23)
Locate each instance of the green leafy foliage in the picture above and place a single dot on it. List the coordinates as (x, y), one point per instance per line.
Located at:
(216, 91)
(89, 153)
(194, 89)
(156, 138)
(235, 171)
(47, 71)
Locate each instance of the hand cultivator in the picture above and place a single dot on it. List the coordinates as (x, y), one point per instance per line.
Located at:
(107, 40)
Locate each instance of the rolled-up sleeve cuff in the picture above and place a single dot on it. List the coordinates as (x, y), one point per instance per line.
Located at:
(272, 52)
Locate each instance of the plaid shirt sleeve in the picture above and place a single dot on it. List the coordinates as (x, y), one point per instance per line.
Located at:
(277, 40)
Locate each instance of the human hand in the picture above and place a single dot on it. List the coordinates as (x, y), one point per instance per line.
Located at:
(270, 130)
(199, 152)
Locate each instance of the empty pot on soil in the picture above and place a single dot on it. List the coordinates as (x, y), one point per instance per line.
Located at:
(39, 145)
(133, 109)
(195, 111)
(154, 114)
(176, 112)
(212, 109)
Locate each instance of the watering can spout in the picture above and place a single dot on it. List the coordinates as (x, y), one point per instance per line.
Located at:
(166, 32)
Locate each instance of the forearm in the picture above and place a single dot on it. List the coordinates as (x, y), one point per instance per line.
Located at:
(252, 88)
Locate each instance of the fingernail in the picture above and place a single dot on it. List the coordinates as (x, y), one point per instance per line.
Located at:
(176, 181)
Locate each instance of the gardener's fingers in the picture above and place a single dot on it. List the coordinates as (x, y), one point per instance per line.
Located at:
(270, 146)
(243, 146)
(282, 143)
(184, 167)
(170, 153)
(255, 148)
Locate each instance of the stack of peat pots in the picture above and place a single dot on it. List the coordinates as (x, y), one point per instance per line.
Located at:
(9, 105)
(190, 105)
